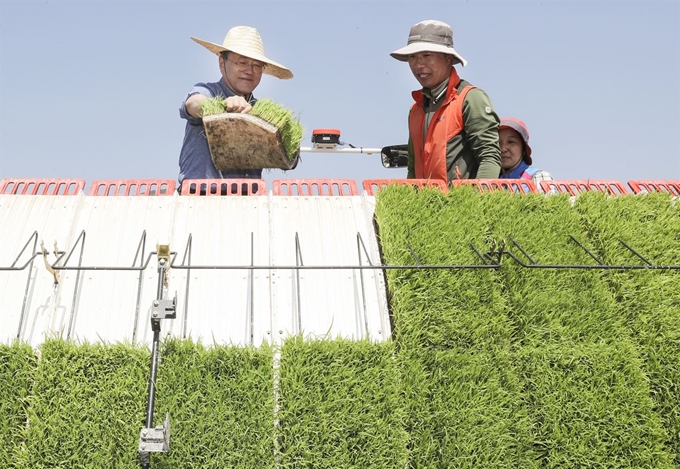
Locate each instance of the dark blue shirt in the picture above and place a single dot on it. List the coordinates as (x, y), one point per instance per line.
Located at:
(195, 161)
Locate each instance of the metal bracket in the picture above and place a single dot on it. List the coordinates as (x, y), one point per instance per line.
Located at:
(164, 309)
(154, 440)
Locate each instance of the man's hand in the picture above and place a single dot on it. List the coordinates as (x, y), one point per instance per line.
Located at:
(237, 104)
(232, 103)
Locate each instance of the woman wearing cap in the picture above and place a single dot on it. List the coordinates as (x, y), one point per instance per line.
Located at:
(453, 129)
(242, 62)
(516, 160)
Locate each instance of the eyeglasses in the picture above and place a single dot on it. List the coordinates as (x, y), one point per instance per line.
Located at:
(243, 65)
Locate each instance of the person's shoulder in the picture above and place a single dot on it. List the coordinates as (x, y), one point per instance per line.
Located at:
(539, 175)
(477, 97)
(207, 88)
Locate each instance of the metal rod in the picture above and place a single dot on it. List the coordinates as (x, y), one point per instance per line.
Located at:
(33, 237)
(360, 244)
(24, 303)
(587, 250)
(636, 253)
(75, 289)
(298, 263)
(156, 326)
(368, 151)
(413, 253)
(141, 246)
(187, 253)
(251, 281)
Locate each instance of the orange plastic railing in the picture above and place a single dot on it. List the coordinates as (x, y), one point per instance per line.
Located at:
(372, 186)
(315, 187)
(641, 186)
(577, 186)
(524, 186)
(136, 187)
(224, 187)
(41, 186)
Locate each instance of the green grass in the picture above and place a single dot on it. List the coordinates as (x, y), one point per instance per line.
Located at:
(340, 406)
(290, 128)
(221, 405)
(648, 301)
(17, 372)
(87, 407)
(591, 406)
(439, 309)
(465, 410)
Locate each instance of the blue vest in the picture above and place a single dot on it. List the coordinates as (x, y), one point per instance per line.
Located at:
(522, 171)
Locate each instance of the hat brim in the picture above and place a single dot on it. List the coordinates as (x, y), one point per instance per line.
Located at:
(273, 68)
(413, 48)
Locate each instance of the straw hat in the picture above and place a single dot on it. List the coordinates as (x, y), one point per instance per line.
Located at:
(247, 42)
(429, 36)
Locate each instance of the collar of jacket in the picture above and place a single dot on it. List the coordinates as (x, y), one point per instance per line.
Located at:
(454, 81)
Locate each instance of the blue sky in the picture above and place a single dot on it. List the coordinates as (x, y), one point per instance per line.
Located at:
(91, 90)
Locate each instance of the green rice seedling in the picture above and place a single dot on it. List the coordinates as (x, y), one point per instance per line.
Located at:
(87, 407)
(17, 371)
(212, 106)
(290, 128)
(548, 305)
(591, 406)
(439, 309)
(465, 410)
(340, 406)
(649, 300)
(221, 405)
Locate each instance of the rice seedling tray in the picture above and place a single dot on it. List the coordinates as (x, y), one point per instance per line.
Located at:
(244, 141)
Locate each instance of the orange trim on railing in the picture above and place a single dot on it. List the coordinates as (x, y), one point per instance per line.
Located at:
(133, 187)
(577, 186)
(244, 186)
(641, 186)
(524, 186)
(315, 187)
(371, 186)
(33, 186)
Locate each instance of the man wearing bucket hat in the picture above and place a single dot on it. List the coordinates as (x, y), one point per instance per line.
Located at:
(242, 62)
(453, 128)
(516, 160)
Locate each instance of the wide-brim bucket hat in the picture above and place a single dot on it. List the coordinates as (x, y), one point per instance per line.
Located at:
(523, 131)
(429, 36)
(246, 41)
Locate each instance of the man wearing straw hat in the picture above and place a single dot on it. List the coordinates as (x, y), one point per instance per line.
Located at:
(242, 62)
(453, 128)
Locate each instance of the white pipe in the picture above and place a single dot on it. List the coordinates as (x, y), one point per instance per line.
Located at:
(368, 151)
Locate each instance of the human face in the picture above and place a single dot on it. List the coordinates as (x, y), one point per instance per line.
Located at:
(241, 74)
(512, 149)
(430, 68)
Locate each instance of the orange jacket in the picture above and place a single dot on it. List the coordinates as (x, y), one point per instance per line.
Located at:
(447, 122)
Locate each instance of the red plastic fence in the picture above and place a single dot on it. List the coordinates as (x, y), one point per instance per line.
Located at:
(137, 187)
(371, 186)
(315, 187)
(224, 187)
(641, 186)
(576, 187)
(41, 186)
(524, 186)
